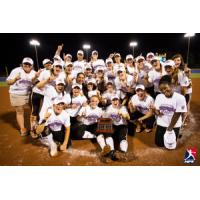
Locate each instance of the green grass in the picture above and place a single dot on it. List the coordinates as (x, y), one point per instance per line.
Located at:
(195, 75)
(2, 84)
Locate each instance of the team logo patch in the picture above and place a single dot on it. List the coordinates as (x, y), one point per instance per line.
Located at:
(190, 155)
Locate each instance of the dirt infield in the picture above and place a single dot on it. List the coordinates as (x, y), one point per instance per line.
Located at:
(15, 150)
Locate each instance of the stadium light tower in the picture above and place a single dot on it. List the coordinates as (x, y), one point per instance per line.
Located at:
(133, 44)
(86, 47)
(35, 43)
(188, 35)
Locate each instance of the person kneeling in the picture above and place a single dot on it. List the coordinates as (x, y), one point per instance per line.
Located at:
(55, 128)
(140, 107)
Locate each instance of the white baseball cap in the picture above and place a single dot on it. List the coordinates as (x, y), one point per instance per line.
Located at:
(114, 97)
(87, 66)
(77, 85)
(69, 55)
(129, 57)
(45, 61)
(150, 54)
(59, 100)
(91, 80)
(109, 60)
(122, 69)
(100, 68)
(58, 63)
(117, 54)
(139, 86)
(169, 63)
(80, 52)
(57, 57)
(27, 60)
(170, 139)
(140, 58)
(155, 58)
(68, 64)
(95, 52)
(60, 81)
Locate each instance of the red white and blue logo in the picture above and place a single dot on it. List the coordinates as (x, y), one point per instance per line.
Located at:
(190, 155)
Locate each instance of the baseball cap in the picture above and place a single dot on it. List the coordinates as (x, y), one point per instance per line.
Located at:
(80, 52)
(45, 61)
(87, 67)
(60, 81)
(140, 86)
(69, 55)
(140, 58)
(169, 63)
(100, 68)
(155, 58)
(58, 62)
(121, 69)
(109, 60)
(68, 64)
(95, 52)
(117, 55)
(27, 60)
(114, 97)
(91, 80)
(129, 57)
(150, 54)
(58, 100)
(77, 85)
(57, 57)
(170, 139)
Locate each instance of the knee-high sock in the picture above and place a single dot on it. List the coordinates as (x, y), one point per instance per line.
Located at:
(124, 145)
(88, 135)
(110, 142)
(101, 141)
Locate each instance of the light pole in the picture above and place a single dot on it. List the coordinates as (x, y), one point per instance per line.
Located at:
(86, 47)
(35, 43)
(133, 44)
(188, 35)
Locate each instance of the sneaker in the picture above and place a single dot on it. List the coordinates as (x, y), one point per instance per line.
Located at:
(23, 132)
(106, 150)
(53, 150)
(33, 134)
(121, 155)
(112, 155)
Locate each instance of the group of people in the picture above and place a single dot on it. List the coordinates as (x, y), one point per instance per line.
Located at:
(68, 98)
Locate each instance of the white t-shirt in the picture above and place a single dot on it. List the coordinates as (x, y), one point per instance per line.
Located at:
(168, 106)
(131, 70)
(46, 74)
(98, 63)
(40, 78)
(108, 95)
(90, 115)
(49, 96)
(110, 75)
(142, 106)
(55, 122)
(154, 77)
(113, 113)
(79, 101)
(78, 66)
(129, 82)
(23, 85)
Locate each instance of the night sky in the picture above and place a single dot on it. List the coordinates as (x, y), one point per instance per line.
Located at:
(16, 46)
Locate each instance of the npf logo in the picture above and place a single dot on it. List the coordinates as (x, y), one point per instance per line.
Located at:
(190, 155)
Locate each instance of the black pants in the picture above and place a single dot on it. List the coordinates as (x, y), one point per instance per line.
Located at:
(187, 98)
(149, 122)
(58, 136)
(36, 101)
(78, 130)
(120, 132)
(159, 135)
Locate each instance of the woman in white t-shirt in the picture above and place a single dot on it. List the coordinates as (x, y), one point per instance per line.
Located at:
(21, 81)
(169, 107)
(57, 128)
(119, 116)
(140, 108)
(130, 65)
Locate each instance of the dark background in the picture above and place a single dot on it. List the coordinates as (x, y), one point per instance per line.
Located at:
(16, 46)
